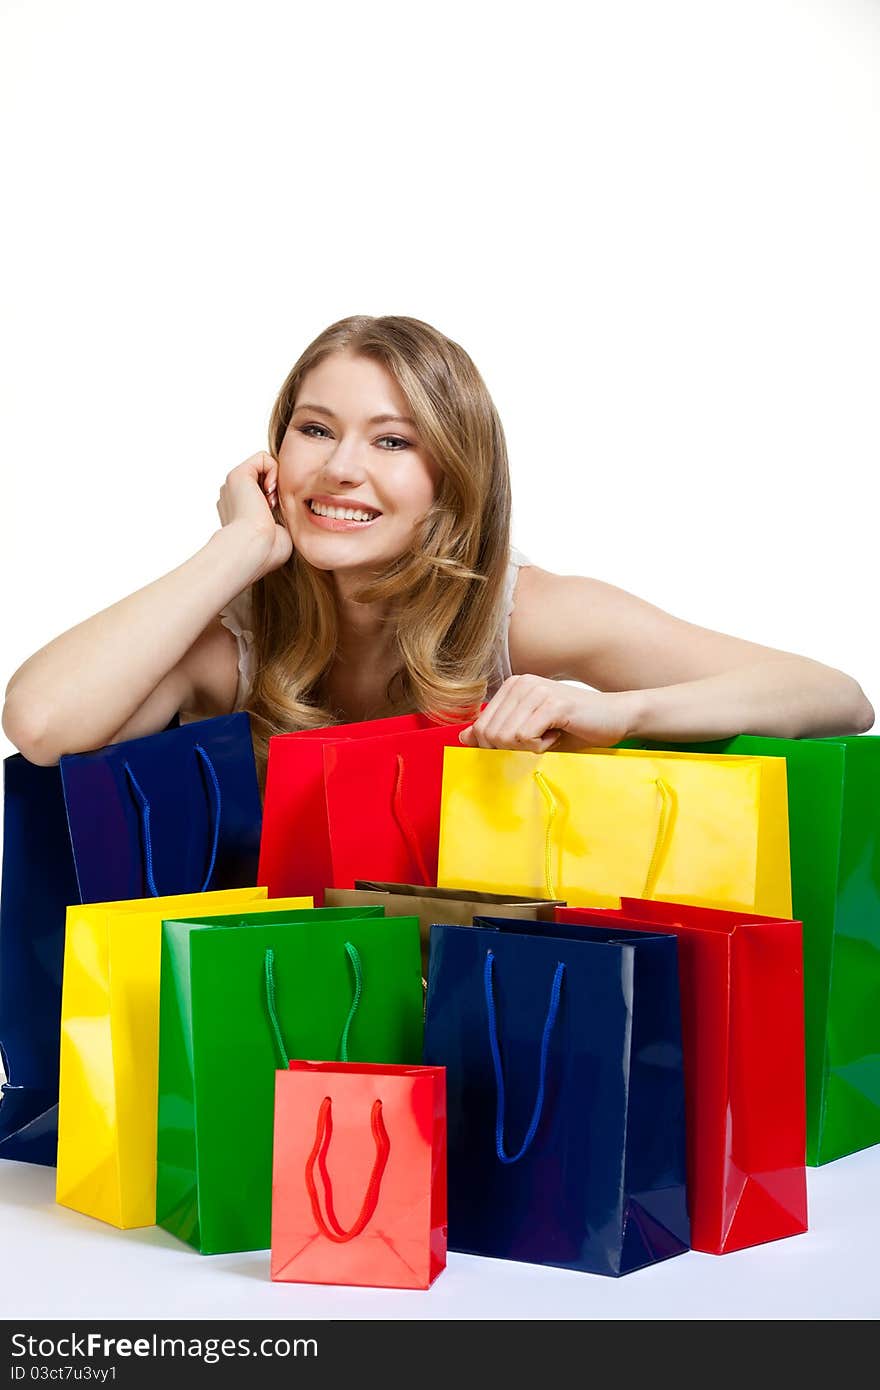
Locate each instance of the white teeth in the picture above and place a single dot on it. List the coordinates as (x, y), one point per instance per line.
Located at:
(342, 513)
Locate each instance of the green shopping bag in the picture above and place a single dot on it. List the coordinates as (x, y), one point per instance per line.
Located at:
(239, 997)
(834, 824)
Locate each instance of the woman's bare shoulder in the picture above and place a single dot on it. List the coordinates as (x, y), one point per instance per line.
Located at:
(549, 609)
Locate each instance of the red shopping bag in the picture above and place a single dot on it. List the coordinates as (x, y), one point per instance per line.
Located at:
(742, 1006)
(353, 801)
(359, 1175)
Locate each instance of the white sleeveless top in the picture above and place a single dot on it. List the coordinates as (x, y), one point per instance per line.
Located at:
(236, 616)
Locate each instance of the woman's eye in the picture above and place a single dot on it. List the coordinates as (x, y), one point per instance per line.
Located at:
(386, 439)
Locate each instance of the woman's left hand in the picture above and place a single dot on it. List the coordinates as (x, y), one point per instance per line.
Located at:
(531, 714)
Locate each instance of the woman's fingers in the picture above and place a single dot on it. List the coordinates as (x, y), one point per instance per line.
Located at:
(528, 713)
(497, 725)
(481, 731)
(269, 471)
(256, 478)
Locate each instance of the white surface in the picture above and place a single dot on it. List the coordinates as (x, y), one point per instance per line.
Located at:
(57, 1264)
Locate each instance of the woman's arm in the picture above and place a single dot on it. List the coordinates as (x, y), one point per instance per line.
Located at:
(127, 670)
(654, 676)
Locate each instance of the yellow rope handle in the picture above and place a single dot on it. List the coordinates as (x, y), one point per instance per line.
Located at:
(552, 807)
(668, 811)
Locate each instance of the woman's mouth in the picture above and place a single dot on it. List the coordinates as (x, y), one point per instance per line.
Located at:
(331, 517)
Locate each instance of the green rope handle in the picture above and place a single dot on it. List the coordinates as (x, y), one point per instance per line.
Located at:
(357, 968)
(352, 953)
(273, 1013)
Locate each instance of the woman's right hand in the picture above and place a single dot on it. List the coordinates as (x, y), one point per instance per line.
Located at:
(246, 501)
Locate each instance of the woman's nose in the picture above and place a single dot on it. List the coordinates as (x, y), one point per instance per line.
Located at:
(344, 465)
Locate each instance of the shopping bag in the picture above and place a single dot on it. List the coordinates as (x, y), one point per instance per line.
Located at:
(598, 824)
(359, 1175)
(564, 1092)
(110, 1045)
(834, 810)
(172, 812)
(39, 880)
(353, 801)
(454, 905)
(742, 1018)
(175, 812)
(238, 1002)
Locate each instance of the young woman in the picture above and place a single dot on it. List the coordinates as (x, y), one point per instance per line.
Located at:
(363, 568)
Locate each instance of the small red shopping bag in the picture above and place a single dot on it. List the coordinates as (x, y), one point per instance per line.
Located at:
(359, 1175)
(742, 1020)
(353, 801)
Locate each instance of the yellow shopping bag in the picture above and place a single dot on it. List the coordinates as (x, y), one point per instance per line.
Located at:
(108, 1093)
(599, 824)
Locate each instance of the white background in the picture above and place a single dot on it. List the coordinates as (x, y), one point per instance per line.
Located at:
(653, 226)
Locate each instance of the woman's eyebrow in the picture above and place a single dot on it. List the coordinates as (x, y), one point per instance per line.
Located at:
(376, 419)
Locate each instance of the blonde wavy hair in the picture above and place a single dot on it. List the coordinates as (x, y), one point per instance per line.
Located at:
(443, 592)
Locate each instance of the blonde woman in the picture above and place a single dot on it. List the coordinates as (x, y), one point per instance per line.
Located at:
(363, 568)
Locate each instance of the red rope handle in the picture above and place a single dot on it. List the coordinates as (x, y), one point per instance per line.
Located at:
(331, 1227)
(406, 825)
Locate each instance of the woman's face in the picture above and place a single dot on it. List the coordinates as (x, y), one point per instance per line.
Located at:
(353, 488)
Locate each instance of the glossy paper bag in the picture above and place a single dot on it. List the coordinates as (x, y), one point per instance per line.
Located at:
(110, 1046)
(598, 824)
(454, 905)
(741, 981)
(564, 1093)
(175, 812)
(834, 809)
(237, 1003)
(359, 1175)
(39, 880)
(353, 801)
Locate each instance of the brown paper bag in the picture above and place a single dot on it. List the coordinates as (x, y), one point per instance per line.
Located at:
(455, 906)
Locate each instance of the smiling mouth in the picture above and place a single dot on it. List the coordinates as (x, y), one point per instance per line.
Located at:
(361, 515)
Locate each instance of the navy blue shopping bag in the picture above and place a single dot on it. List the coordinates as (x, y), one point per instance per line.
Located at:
(174, 812)
(565, 1092)
(38, 882)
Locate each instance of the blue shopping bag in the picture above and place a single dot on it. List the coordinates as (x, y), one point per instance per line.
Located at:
(174, 812)
(565, 1092)
(38, 882)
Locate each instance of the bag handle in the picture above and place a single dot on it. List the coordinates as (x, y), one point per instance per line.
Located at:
(666, 824)
(550, 1020)
(665, 827)
(269, 972)
(145, 812)
(406, 826)
(323, 1133)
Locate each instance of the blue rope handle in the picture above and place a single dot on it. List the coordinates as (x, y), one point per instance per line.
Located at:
(552, 1010)
(145, 820)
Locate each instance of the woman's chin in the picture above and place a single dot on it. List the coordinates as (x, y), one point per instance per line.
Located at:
(335, 552)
